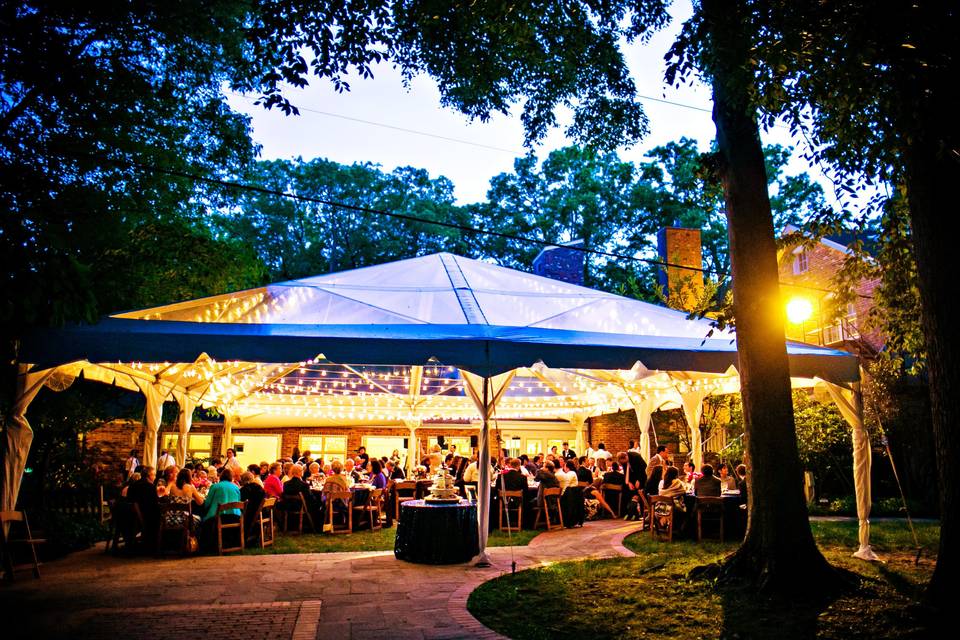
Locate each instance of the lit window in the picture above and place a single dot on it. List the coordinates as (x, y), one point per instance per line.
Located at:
(463, 444)
(800, 263)
(199, 445)
(326, 447)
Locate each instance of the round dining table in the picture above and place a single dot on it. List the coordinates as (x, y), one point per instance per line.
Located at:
(437, 532)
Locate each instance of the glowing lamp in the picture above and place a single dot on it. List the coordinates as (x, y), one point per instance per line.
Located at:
(799, 310)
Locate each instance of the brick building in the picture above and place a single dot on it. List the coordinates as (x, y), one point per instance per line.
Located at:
(816, 318)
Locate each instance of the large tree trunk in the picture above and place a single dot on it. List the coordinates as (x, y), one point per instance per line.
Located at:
(778, 552)
(932, 176)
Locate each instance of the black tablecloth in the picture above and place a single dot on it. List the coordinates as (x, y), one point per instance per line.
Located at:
(437, 533)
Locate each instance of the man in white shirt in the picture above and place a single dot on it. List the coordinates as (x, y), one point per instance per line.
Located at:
(602, 452)
(591, 452)
(566, 476)
(165, 460)
(635, 447)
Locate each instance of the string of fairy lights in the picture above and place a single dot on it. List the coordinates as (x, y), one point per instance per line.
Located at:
(325, 390)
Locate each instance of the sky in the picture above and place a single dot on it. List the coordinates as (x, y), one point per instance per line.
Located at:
(470, 153)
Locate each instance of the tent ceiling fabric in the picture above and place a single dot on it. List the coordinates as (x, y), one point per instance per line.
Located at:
(389, 342)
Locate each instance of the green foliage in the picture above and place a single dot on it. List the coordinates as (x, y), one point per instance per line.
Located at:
(823, 437)
(68, 532)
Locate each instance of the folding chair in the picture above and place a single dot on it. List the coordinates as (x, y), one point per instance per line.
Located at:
(661, 518)
(264, 520)
(221, 525)
(374, 506)
(296, 506)
(712, 508)
(168, 524)
(402, 492)
(616, 489)
(506, 499)
(345, 497)
(7, 541)
(548, 496)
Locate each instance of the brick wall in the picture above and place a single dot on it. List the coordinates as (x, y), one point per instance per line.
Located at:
(615, 430)
(683, 287)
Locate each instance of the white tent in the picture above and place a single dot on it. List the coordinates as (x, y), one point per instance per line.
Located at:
(439, 336)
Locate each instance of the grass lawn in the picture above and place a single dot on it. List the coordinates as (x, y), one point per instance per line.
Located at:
(650, 596)
(366, 541)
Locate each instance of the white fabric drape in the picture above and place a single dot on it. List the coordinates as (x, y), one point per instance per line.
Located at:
(850, 404)
(644, 410)
(485, 393)
(187, 405)
(692, 403)
(226, 442)
(19, 435)
(413, 445)
(577, 421)
(155, 395)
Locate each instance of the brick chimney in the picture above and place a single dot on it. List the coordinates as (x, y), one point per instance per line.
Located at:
(683, 287)
(561, 263)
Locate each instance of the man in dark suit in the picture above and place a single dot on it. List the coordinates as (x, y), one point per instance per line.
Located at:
(567, 452)
(707, 485)
(395, 471)
(512, 479)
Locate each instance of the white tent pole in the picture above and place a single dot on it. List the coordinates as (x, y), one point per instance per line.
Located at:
(483, 484)
(850, 404)
(413, 448)
(154, 394)
(692, 402)
(226, 441)
(187, 405)
(578, 420)
(19, 435)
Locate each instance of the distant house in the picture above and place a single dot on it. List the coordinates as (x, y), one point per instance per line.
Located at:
(806, 280)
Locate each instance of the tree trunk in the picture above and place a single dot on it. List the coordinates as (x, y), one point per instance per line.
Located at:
(778, 552)
(932, 176)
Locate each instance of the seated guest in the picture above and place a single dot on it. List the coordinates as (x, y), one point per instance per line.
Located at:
(395, 471)
(169, 480)
(471, 474)
(672, 486)
(528, 464)
(512, 479)
(377, 478)
(222, 492)
(183, 492)
(295, 485)
(143, 493)
(286, 471)
(199, 477)
(255, 470)
(567, 476)
(350, 470)
(614, 476)
(584, 474)
(706, 485)
(327, 469)
(213, 476)
(272, 485)
(337, 481)
(316, 479)
(727, 481)
(652, 486)
(252, 493)
(547, 476)
(264, 471)
(691, 472)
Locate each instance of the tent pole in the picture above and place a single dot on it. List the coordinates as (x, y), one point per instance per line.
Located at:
(483, 484)
(187, 405)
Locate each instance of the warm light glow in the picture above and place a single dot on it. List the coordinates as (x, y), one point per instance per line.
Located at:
(799, 310)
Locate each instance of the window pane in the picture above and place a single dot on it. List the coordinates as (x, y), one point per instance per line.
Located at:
(534, 447)
(169, 441)
(335, 444)
(554, 443)
(313, 444)
(379, 446)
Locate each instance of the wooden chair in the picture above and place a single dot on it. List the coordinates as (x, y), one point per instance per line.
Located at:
(550, 496)
(513, 524)
(661, 527)
(647, 513)
(346, 498)
(221, 525)
(712, 508)
(8, 519)
(583, 485)
(470, 491)
(126, 519)
(373, 509)
(183, 527)
(295, 506)
(617, 490)
(402, 492)
(264, 519)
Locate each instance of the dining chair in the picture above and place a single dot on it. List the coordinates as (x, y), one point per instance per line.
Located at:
(711, 510)
(617, 490)
(180, 525)
(402, 492)
(511, 501)
(346, 499)
(373, 509)
(221, 525)
(550, 497)
(661, 518)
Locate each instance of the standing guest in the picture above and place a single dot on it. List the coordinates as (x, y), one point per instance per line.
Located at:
(222, 492)
(727, 481)
(395, 457)
(377, 478)
(634, 446)
(635, 470)
(273, 486)
(691, 472)
(554, 452)
(165, 460)
(132, 464)
(602, 452)
(590, 452)
(233, 464)
(295, 455)
(362, 454)
(568, 452)
(707, 484)
(660, 459)
(217, 464)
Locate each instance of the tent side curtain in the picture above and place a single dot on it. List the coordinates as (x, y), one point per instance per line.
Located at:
(483, 349)
(19, 434)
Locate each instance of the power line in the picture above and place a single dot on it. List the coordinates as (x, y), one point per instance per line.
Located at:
(411, 218)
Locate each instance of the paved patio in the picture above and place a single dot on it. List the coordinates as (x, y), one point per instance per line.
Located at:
(333, 595)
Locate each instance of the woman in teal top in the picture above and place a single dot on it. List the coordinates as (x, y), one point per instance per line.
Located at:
(221, 493)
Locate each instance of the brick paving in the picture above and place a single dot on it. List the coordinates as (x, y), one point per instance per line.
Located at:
(353, 596)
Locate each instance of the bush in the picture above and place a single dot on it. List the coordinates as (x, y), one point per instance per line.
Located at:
(66, 533)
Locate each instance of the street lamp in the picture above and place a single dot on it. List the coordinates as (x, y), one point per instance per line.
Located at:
(799, 310)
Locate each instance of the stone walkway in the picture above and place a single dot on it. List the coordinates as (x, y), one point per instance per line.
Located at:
(329, 596)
